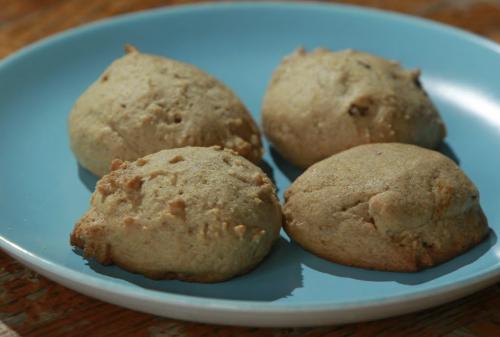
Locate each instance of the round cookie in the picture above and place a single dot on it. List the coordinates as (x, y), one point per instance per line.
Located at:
(323, 102)
(391, 206)
(194, 213)
(142, 104)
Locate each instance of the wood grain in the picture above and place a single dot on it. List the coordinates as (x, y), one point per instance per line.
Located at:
(31, 305)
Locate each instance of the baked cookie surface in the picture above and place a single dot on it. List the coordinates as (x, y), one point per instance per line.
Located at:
(143, 104)
(195, 213)
(392, 206)
(321, 102)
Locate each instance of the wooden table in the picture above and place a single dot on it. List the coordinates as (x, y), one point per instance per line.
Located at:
(31, 305)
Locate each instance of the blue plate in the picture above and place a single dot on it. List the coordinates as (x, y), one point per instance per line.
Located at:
(43, 192)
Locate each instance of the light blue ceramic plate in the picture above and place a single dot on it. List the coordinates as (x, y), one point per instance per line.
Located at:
(43, 193)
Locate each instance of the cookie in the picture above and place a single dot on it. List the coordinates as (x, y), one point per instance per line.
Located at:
(195, 213)
(142, 104)
(322, 102)
(392, 206)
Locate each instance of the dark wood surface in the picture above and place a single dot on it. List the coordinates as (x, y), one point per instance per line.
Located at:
(31, 305)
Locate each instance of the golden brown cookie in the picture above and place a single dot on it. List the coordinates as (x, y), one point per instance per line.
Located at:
(324, 102)
(143, 104)
(195, 213)
(390, 206)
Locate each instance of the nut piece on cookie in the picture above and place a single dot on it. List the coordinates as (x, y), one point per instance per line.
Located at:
(180, 214)
(392, 206)
(143, 104)
(321, 102)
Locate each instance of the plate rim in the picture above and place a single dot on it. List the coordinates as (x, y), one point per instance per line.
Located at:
(413, 302)
(212, 5)
(51, 267)
(72, 277)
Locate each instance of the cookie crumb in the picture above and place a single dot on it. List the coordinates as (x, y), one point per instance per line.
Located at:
(258, 235)
(105, 188)
(240, 230)
(177, 207)
(135, 183)
(130, 48)
(229, 150)
(116, 164)
(141, 162)
(265, 190)
(176, 159)
(157, 173)
(298, 52)
(259, 179)
(215, 212)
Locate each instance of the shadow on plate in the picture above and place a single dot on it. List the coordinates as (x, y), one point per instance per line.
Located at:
(290, 171)
(261, 284)
(420, 277)
(87, 178)
(268, 169)
(446, 149)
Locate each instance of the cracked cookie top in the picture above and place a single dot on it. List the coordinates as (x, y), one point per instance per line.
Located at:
(321, 102)
(194, 213)
(386, 206)
(142, 104)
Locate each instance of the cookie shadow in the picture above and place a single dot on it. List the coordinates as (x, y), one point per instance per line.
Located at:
(426, 275)
(290, 171)
(446, 149)
(276, 277)
(87, 178)
(268, 170)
